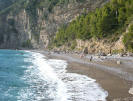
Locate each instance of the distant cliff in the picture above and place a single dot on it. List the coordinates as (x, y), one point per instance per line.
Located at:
(33, 23)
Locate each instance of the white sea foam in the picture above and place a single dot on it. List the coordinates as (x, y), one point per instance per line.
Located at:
(63, 86)
(79, 87)
(44, 83)
(48, 74)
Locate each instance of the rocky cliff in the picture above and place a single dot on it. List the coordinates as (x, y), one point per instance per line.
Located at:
(30, 23)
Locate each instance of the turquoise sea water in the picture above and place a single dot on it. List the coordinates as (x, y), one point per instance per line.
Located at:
(12, 67)
(30, 76)
(21, 80)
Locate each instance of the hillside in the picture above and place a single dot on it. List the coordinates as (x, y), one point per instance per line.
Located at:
(101, 29)
(67, 25)
(32, 23)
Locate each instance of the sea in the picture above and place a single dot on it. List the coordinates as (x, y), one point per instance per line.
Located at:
(31, 76)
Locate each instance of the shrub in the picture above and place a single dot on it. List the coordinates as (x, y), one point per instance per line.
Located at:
(128, 39)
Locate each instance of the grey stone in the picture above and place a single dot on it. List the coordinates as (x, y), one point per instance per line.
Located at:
(118, 62)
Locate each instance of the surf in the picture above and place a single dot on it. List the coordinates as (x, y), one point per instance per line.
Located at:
(31, 76)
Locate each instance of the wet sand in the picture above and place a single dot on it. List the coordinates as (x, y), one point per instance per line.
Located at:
(116, 86)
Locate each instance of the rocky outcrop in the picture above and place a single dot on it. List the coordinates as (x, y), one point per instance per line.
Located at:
(96, 46)
(15, 30)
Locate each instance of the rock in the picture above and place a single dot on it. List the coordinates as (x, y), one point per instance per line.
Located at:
(57, 52)
(102, 54)
(120, 55)
(118, 62)
(123, 54)
(109, 55)
(97, 57)
(129, 54)
(104, 57)
(131, 91)
(85, 51)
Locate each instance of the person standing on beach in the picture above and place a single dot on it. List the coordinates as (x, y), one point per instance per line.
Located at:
(91, 58)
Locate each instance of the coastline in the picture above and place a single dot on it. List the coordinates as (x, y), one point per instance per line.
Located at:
(116, 86)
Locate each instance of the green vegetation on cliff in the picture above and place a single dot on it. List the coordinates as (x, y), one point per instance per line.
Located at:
(110, 20)
(128, 39)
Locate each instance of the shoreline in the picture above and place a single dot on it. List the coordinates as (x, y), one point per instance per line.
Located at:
(116, 87)
(115, 83)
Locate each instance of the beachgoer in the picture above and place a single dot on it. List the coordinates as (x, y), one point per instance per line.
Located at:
(91, 58)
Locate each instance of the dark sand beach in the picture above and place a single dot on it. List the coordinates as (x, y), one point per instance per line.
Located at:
(115, 79)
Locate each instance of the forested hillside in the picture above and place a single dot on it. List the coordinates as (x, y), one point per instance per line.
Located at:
(33, 23)
(108, 22)
(67, 23)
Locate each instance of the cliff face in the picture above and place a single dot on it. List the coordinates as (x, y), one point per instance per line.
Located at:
(97, 46)
(15, 31)
(21, 28)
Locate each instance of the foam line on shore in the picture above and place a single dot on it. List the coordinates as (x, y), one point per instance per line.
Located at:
(79, 87)
(63, 86)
